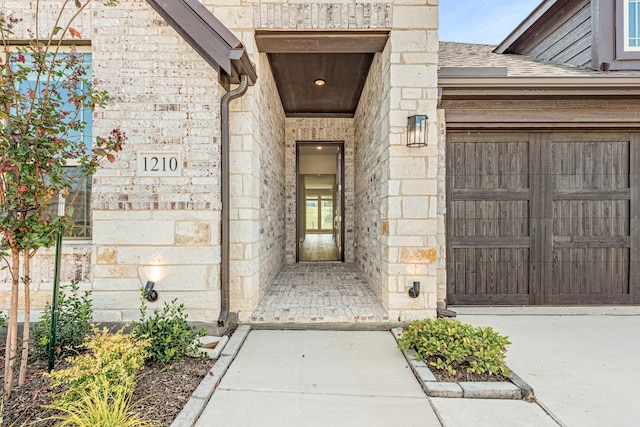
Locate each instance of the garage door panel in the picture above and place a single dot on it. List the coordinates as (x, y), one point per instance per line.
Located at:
(490, 271)
(591, 271)
(543, 218)
(591, 218)
(489, 165)
(590, 164)
(493, 218)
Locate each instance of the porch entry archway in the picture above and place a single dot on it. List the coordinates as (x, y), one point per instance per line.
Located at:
(320, 201)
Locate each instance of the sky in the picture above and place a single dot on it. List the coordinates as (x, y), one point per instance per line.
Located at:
(481, 21)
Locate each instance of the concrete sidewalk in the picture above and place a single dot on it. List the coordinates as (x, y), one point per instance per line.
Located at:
(347, 378)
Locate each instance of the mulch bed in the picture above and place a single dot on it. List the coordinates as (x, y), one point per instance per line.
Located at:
(160, 393)
(462, 376)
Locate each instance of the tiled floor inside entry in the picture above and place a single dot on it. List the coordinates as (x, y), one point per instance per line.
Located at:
(319, 292)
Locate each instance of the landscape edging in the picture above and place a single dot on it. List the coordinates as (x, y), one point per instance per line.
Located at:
(191, 411)
(515, 389)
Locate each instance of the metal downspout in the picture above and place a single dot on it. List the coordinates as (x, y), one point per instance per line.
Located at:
(224, 184)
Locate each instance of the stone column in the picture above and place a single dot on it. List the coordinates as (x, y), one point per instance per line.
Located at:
(411, 225)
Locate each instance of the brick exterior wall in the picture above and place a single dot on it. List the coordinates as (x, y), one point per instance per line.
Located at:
(165, 228)
(271, 121)
(318, 130)
(319, 16)
(371, 136)
(167, 100)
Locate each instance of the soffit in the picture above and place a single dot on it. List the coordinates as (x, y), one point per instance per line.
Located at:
(341, 58)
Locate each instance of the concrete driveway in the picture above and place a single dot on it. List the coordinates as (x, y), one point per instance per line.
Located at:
(585, 369)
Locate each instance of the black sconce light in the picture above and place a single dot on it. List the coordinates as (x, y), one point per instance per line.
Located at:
(414, 291)
(149, 293)
(417, 131)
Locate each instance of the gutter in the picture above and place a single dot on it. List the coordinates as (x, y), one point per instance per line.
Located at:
(487, 88)
(224, 184)
(224, 52)
(604, 82)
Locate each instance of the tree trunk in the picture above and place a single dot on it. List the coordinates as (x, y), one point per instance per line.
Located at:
(26, 280)
(12, 329)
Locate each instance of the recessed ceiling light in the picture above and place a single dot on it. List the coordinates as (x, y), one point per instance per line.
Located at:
(319, 148)
(320, 82)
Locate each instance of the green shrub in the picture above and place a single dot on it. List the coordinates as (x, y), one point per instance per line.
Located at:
(171, 338)
(75, 313)
(450, 345)
(109, 365)
(3, 322)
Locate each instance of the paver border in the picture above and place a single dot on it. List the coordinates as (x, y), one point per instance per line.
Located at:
(190, 413)
(516, 389)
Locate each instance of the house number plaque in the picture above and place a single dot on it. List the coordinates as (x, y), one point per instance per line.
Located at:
(159, 163)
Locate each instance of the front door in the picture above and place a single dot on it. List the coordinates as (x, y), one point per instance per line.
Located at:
(320, 201)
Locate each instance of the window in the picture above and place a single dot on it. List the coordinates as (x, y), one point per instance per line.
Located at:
(632, 25)
(82, 203)
(319, 212)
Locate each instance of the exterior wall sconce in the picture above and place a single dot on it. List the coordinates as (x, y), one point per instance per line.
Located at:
(149, 293)
(414, 291)
(417, 131)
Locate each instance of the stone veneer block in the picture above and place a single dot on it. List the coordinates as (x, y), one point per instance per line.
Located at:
(131, 232)
(490, 390)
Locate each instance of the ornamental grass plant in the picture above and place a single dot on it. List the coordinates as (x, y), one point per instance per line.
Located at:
(99, 383)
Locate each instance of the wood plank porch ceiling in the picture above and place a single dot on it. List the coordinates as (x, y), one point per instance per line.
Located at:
(341, 58)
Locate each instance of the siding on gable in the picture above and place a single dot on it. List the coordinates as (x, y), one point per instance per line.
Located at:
(564, 36)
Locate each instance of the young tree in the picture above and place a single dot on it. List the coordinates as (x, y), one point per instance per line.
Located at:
(43, 92)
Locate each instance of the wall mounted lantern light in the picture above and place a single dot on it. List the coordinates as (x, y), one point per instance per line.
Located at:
(417, 131)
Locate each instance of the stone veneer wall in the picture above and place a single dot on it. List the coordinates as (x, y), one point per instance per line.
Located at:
(166, 98)
(413, 229)
(318, 130)
(404, 241)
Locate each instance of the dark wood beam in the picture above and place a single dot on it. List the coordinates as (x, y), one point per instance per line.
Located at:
(321, 41)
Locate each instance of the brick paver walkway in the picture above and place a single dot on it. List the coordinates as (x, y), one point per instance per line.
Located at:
(319, 292)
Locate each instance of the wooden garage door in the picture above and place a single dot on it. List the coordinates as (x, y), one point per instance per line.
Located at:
(543, 218)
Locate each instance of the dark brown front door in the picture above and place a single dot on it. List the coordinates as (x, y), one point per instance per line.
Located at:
(543, 218)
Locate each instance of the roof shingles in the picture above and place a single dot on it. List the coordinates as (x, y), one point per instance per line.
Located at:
(467, 55)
